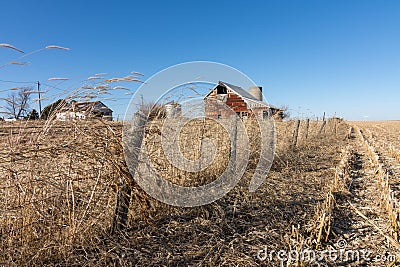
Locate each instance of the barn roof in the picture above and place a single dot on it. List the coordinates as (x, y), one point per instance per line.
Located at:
(246, 96)
(239, 90)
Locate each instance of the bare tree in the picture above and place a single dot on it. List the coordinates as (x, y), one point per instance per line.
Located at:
(153, 110)
(17, 103)
(285, 114)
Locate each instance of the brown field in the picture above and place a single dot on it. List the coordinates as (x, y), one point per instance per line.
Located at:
(59, 183)
(384, 131)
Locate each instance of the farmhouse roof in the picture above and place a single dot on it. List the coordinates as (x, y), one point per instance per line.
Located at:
(86, 106)
(82, 106)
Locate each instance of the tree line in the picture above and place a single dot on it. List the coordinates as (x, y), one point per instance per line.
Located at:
(17, 106)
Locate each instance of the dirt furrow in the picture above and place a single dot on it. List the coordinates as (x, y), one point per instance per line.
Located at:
(388, 157)
(360, 224)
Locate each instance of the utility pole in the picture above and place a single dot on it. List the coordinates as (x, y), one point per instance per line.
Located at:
(40, 104)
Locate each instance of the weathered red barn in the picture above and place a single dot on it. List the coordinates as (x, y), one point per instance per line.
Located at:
(244, 103)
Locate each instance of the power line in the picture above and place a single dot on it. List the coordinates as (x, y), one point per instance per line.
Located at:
(52, 86)
(5, 81)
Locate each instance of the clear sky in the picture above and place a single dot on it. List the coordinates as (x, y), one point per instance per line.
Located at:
(338, 57)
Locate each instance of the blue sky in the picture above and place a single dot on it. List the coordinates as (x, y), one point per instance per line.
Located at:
(338, 57)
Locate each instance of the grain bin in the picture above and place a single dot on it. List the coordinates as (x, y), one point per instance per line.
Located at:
(173, 110)
(256, 91)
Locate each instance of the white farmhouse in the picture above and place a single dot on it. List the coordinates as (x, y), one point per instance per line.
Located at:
(84, 111)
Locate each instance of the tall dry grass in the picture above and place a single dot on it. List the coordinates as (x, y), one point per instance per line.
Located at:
(57, 186)
(58, 183)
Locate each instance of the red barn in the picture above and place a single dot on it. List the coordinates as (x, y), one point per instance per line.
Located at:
(244, 103)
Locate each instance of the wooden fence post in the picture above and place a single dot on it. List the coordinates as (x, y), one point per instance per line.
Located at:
(296, 133)
(322, 128)
(350, 132)
(336, 127)
(307, 127)
(124, 192)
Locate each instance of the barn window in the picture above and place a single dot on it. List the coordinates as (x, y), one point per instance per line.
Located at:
(221, 90)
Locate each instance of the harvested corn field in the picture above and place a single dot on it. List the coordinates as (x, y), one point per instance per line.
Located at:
(60, 184)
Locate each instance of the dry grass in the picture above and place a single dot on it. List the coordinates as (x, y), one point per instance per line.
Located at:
(56, 186)
(58, 189)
